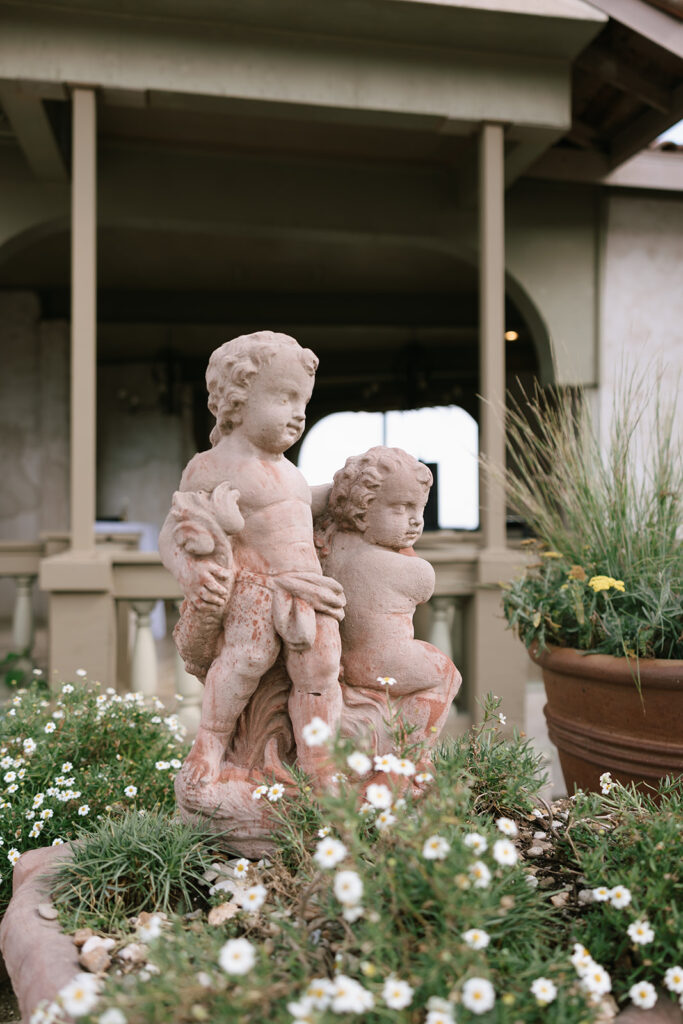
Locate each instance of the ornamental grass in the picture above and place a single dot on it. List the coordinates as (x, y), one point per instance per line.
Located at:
(608, 574)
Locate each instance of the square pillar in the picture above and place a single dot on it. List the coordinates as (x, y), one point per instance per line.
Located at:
(83, 319)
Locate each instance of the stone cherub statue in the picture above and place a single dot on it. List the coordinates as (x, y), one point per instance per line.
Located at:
(260, 623)
(365, 540)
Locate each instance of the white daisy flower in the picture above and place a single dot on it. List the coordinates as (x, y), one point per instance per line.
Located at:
(384, 819)
(111, 1016)
(386, 680)
(620, 896)
(47, 813)
(673, 979)
(237, 956)
(162, 766)
(397, 994)
(58, 842)
(379, 796)
(259, 792)
(601, 894)
(480, 874)
(502, 718)
(478, 995)
(643, 994)
(544, 991)
(242, 866)
(13, 855)
(318, 992)
(348, 887)
(130, 791)
(581, 958)
(641, 932)
(402, 766)
(606, 783)
(322, 832)
(506, 826)
(37, 800)
(329, 852)
(83, 810)
(254, 898)
(352, 912)
(10, 776)
(316, 732)
(596, 980)
(439, 1017)
(348, 996)
(81, 672)
(435, 848)
(67, 688)
(475, 842)
(359, 762)
(385, 763)
(80, 995)
(424, 777)
(276, 792)
(476, 938)
(49, 727)
(504, 852)
(29, 745)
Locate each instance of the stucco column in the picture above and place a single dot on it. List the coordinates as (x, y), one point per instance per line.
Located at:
(83, 319)
(492, 329)
(496, 660)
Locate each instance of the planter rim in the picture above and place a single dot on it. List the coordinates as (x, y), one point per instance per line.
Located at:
(571, 661)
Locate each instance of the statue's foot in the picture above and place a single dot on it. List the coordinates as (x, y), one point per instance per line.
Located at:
(203, 764)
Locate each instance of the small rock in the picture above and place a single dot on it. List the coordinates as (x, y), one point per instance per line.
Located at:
(81, 935)
(217, 915)
(193, 915)
(133, 953)
(48, 911)
(547, 882)
(536, 851)
(210, 875)
(560, 899)
(95, 959)
(540, 835)
(585, 896)
(97, 942)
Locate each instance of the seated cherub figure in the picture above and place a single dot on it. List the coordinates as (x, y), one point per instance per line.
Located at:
(374, 516)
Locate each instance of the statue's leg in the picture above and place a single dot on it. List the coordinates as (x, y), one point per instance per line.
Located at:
(315, 692)
(250, 648)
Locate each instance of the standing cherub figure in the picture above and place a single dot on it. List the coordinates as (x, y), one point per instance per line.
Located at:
(269, 596)
(374, 517)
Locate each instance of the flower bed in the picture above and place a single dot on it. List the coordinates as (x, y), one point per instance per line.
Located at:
(470, 899)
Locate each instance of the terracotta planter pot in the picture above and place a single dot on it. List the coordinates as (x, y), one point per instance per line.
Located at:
(598, 722)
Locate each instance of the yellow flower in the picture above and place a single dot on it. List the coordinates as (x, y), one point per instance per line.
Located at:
(599, 583)
(551, 554)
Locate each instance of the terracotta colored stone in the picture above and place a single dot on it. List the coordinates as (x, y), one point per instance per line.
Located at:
(95, 959)
(40, 958)
(665, 1011)
(375, 515)
(260, 621)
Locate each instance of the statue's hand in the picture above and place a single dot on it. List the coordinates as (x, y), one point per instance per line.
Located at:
(207, 585)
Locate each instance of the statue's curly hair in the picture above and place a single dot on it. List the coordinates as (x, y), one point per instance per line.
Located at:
(355, 486)
(233, 366)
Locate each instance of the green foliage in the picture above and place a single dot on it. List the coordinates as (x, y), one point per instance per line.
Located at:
(632, 839)
(66, 761)
(611, 514)
(144, 861)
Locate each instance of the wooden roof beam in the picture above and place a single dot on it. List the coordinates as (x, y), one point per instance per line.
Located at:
(614, 69)
(26, 115)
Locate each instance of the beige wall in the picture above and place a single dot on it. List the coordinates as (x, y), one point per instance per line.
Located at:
(34, 420)
(642, 294)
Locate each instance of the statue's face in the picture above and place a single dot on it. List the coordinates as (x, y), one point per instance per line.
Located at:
(274, 414)
(394, 518)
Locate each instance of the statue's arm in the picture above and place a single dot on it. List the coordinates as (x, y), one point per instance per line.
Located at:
(320, 495)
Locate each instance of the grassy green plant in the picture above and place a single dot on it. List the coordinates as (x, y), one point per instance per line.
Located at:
(610, 574)
(143, 861)
(83, 754)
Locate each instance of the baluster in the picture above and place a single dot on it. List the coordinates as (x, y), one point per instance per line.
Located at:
(144, 671)
(191, 690)
(440, 632)
(22, 618)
